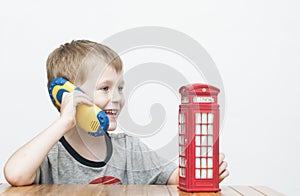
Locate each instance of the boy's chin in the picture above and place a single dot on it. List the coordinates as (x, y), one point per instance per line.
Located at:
(112, 126)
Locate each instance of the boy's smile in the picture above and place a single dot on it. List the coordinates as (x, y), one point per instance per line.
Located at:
(107, 94)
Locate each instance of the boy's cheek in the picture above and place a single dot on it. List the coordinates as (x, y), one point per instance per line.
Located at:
(100, 101)
(121, 108)
(88, 88)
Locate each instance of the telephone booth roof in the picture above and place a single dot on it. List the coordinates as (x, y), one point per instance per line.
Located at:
(198, 89)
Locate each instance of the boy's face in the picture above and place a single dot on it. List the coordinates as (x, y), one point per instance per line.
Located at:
(105, 87)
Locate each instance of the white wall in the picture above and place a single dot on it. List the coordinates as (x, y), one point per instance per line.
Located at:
(255, 45)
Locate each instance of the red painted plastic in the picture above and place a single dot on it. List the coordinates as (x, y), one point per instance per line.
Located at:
(198, 124)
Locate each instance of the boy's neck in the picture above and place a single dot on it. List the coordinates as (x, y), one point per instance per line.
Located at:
(90, 147)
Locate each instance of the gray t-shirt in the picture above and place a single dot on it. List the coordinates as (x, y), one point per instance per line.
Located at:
(131, 162)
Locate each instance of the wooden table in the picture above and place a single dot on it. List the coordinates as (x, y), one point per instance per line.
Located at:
(92, 189)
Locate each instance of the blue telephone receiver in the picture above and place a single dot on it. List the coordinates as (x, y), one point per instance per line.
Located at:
(89, 118)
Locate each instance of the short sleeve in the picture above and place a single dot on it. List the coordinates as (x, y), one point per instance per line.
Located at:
(44, 174)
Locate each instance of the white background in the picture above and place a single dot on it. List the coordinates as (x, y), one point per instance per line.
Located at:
(255, 45)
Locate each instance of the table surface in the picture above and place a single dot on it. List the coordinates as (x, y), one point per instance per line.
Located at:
(93, 189)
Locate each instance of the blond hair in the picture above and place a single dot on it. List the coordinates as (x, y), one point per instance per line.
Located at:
(71, 60)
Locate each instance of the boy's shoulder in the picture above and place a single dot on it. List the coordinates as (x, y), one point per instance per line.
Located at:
(121, 135)
(127, 140)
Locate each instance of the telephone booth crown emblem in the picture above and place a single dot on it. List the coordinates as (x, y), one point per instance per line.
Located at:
(198, 129)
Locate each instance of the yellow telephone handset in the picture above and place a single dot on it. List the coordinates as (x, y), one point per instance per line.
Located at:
(89, 118)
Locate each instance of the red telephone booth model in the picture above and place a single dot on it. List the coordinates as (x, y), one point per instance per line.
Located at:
(198, 138)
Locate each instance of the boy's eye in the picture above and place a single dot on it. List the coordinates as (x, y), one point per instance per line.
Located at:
(121, 88)
(104, 88)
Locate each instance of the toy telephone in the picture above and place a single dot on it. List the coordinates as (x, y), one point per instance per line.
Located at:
(89, 118)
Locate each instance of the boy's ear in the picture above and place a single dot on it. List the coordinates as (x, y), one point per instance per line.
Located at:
(57, 88)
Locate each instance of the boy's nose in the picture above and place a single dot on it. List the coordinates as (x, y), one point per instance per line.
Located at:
(116, 96)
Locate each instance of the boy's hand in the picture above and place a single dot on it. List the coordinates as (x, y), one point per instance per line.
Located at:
(223, 172)
(69, 104)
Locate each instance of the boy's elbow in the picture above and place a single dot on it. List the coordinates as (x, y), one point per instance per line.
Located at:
(16, 178)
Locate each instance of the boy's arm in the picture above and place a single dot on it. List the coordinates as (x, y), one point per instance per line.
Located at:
(21, 167)
(173, 180)
(223, 172)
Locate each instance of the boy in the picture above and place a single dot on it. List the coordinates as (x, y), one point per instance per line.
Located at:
(64, 154)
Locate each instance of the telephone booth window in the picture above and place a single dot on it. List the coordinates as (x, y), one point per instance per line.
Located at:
(182, 172)
(181, 150)
(209, 151)
(182, 129)
(181, 118)
(182, 159)
(204, 129)
(198, 152)
(210, 129)
(198, 127)
(203, 145)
